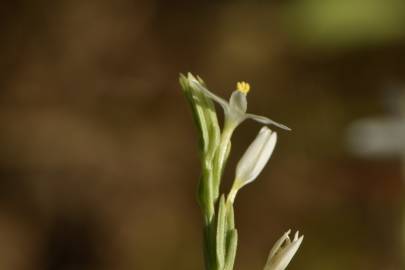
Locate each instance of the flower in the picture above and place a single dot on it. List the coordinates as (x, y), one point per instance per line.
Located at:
(235, 113)
(235, 109)
(283, 251)
(253, 160)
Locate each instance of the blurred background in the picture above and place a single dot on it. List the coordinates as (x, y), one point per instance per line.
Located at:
(99, 163)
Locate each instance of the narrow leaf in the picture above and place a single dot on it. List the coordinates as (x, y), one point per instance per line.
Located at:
(221, 232)
(231, 251)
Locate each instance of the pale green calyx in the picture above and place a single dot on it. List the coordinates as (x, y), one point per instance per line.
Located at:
(254, 159)
(235, 109)
(283, 251)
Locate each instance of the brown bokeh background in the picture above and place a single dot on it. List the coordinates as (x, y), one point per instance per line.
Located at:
(99, 161)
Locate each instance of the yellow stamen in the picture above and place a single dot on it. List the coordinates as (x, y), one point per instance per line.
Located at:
(243, 87)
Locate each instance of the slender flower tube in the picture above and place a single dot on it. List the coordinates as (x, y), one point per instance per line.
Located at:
(253, 160)
(283, 251)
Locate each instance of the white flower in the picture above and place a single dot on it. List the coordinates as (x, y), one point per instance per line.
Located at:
(254, 159)
(283, 251)
(235, 109)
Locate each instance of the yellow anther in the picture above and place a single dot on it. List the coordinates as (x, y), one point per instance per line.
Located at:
(243, 87)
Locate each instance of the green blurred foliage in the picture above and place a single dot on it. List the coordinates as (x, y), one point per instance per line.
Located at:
(345, 23)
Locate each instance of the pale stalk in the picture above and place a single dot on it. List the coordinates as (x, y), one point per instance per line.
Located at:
(221, 157)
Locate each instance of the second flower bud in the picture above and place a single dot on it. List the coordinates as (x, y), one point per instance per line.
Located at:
(253, 160)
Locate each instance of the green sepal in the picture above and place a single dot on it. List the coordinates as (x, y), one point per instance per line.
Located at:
(205, 194)
(205, 117)
(194, 100)
(232, 242)
(213, 127)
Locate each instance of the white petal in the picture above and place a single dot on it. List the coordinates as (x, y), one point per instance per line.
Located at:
(196, 84)
(266, 121)
(264, 156)
(296, 235)
(249, 157)
(277, 245)
(238, 101)
(283, 255)
(286, 255)
(256, 156)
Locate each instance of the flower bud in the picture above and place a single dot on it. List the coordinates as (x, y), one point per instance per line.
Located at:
(254, 159)
(283, 251)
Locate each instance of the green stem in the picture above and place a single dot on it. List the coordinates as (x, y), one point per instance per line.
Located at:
(208, 209)
(209, 246)
(209, 195)
(221, 157)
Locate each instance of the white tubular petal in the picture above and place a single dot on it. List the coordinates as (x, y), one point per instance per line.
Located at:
(238, 101)
(264, 156)
(196, 84)
(286, 255)
(256, 156)
(296, 235)
(281, 255)
(266, 121)
(277, 245)
(248, 160)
